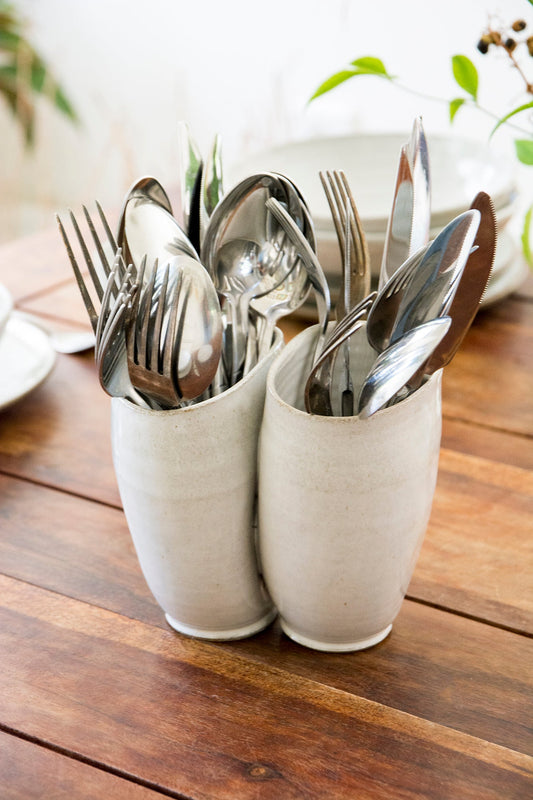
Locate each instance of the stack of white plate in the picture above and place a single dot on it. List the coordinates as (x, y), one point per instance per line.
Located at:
(459, 169)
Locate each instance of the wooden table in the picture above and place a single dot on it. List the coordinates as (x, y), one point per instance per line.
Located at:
(99, 698)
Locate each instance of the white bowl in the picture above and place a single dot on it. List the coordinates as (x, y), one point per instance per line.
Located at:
(459, 170)
(6, 305)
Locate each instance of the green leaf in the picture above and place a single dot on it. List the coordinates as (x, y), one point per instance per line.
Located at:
(509, 115)
(526, 237)
(9, 41)
(333, 81)
(371, 66)
(465, 74)
(368, 65)
(455, 105)
(524, 151)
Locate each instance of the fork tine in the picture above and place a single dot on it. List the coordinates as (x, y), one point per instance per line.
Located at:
(87, 257)
(107, 299)
(158, 322)
(170, 348)
(111, 239)
(131, 337)
(143, 326)
(356, 234)
(96, 239)
(333, 206)
(117, 313)
(93, 316)
(107, 229)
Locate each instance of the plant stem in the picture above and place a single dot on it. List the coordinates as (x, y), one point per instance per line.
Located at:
(469, 102)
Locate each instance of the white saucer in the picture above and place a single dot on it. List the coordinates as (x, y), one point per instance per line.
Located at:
(26, 360)
(505, 281)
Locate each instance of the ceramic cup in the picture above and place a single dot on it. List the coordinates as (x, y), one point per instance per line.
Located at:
(187, 479)
(343, 503)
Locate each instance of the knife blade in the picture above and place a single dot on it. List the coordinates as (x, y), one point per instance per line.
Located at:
(398, 234)
(409, 222)
(418, 155)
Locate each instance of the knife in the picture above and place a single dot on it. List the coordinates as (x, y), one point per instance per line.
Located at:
(418, 155)
(409, 221)
(398, 234)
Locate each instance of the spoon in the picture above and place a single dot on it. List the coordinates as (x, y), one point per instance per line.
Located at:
(395, 365)
(312, 265)
(148, 228)
(423, 287)
(201, 332)
(383, 314)
(284, 299)
(244, 252)
(433, 285)
(469, 292)
(147, 187)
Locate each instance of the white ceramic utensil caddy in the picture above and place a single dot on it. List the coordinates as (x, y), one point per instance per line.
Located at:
(187, 479)
(343, 504)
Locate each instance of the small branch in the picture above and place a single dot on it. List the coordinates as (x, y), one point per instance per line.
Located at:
(516, 65)
(468, 102)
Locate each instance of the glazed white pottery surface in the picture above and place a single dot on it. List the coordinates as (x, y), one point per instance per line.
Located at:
(6, 306)
(187, 480)
(343, 505)
(459, 169)
(26, 360)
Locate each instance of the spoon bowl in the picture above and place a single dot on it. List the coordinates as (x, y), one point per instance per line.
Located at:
(245, 252)
(398, 363)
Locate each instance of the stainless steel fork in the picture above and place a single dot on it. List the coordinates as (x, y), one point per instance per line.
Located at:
(355, 276)
(154, 335)
(98, 273)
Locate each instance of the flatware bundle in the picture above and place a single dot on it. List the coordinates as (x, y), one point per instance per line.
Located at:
(184, 307)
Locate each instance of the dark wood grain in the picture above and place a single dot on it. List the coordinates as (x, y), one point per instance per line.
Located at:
(32, 772)
(205, 723)
(478, 552)
(490, 380)
(488, 443)
(472, 673)
(59, 434)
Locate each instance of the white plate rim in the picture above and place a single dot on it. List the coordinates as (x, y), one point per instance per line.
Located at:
(505, 195)
(505, 282)
(32, 336)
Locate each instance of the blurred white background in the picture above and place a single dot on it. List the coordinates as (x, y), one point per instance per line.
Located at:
(133, 69)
